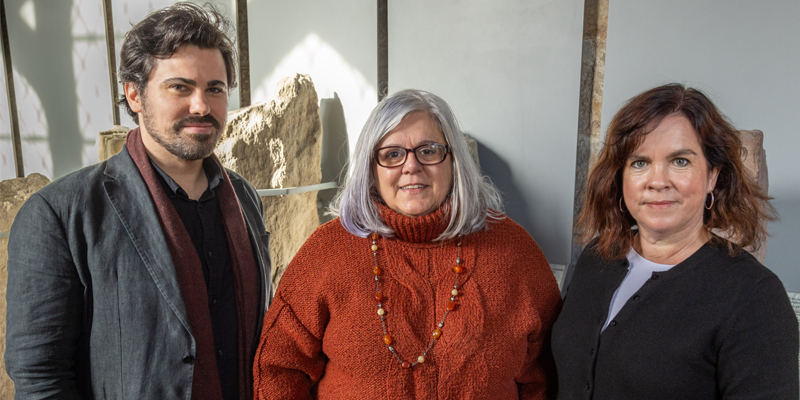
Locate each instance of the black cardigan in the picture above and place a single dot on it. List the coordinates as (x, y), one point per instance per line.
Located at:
(712, 327)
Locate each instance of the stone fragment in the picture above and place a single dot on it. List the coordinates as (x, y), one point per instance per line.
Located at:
(472, 144)
(111, 141)
(278, 145)
(755, 161)
(755, 158)
(13, 193)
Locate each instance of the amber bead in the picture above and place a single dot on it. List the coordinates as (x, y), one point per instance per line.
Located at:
(451, 305)
(387, 339)
(374, 247)
(378, 297)
(406, 364)
(437, 334)
(376, 270)
(421, 359)
(454, 292)
(457, 269)
(374, 235)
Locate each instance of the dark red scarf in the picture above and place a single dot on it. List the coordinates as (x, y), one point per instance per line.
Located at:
(188, 270)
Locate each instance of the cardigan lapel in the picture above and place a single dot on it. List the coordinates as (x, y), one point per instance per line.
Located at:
(132, 202)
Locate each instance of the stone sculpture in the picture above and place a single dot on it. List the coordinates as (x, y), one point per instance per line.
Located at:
(755, 161)
(13, 193)
(278, 145)
(110, 142)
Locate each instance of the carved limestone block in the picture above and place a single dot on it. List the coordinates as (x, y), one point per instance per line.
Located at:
(13, 193)
(278, 145)
(111, 141)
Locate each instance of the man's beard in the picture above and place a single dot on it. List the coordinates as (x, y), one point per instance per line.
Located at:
(187, 147)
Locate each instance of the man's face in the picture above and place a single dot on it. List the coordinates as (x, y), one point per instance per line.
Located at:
(184, 106)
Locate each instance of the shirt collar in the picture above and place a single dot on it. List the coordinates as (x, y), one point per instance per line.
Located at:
(210, 167)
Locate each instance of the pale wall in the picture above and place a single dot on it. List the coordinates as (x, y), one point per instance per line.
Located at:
(511, 72)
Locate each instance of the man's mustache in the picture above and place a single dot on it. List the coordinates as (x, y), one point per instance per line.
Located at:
(194, 119)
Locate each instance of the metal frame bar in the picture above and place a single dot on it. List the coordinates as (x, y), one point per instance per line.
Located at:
(243, 40)
(16, 141)
(595, 27)
(296, 190)
(112, 59)
(383, 49)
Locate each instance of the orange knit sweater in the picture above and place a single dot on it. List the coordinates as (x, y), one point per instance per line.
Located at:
(322, 336)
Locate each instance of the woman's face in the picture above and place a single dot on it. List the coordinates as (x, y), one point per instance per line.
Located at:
(666, 180)
(413, 189)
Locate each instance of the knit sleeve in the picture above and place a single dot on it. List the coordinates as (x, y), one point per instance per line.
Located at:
(538, 380)
(289, 359)
(758, 346)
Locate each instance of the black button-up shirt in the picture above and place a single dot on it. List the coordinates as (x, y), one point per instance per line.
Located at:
(203, 221)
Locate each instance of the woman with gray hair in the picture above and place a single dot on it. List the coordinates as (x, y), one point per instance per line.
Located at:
(421, 288)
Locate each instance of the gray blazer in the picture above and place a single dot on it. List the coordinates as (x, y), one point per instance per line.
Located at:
(94, 306)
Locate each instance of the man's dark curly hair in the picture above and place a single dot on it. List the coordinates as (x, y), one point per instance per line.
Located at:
(162, 32)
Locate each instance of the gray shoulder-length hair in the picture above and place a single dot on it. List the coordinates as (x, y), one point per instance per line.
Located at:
(474, 199)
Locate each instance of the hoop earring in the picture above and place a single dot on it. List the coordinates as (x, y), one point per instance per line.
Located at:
(620, 206)
(712, 202)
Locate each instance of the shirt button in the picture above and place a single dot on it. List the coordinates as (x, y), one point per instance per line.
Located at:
(210, 254)
(219, 353)
(214, 302)
(588, 386)
(188, 359)
(613, 323)
(636, 297)
(591, 351)
(655, 277)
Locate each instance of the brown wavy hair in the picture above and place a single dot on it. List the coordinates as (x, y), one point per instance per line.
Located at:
(741, 207)
(162, 32)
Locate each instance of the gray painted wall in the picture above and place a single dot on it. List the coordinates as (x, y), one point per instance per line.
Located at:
(511, 72)
(744, 55)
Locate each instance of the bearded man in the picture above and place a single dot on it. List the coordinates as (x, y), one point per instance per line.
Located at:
(146, 276)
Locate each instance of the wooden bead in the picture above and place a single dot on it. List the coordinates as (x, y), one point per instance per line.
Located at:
(457, 269)
(451, 305)
(387, 339)
(406, 365)
(374, 235)
(378, 297)
(381, 312)
(421, 359)
(376, 270)
(437, 333)
(374, 247)
(454, 292)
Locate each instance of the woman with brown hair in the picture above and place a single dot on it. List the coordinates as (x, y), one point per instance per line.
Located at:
(660, 306)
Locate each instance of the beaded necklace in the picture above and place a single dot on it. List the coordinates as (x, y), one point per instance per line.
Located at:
(437, 332)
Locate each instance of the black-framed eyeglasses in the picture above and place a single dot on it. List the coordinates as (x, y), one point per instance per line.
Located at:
(426, 154)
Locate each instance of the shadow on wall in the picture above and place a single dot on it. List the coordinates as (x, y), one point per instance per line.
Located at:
(335, 149)
(782, 256)
(49, 71)
(495, 168)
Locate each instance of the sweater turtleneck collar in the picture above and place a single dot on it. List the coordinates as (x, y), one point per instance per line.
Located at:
(420, 229)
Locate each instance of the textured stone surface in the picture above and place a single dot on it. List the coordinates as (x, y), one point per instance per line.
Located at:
(755, 160)
(278, 145)
(593, 65)
(472, 144)
(13, 193)
(111, 141)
